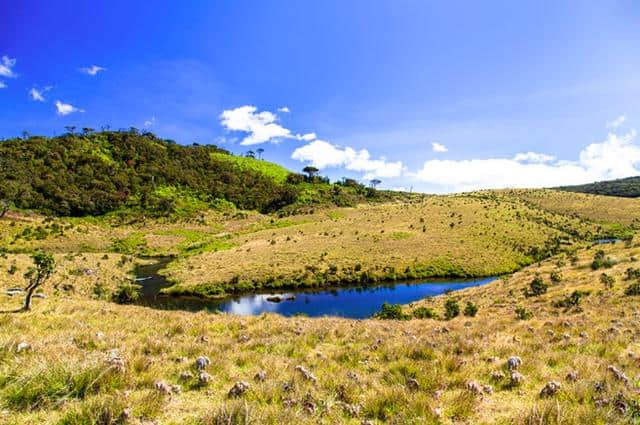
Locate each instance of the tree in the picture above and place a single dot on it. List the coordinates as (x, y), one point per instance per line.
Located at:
(37, 275)
(310, 171)
(70, 128)
(250, 154)
(87, 130)
(260, 152)
(375, 182)
(4, 207)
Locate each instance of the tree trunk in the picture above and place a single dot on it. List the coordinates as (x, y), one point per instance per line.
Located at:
(27, 301)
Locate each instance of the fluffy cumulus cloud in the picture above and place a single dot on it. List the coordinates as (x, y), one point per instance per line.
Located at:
(92, 70)
(322, 154)
(437, 147)
(261, 127)
(284, 109)
(38, 94)
(615, 157)
(66, 109)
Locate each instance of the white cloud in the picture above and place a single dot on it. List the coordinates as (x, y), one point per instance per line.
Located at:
(322, 154)
(261, 126)
(284, 109)
(615, 157)
(148, 123)
(533, 157)
(39, 94)
(2, 85)
(437, 147)
(66, 109)
(6, 67)
(617, 122)
(92, 70)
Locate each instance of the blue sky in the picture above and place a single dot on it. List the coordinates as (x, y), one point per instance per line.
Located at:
(434, 96)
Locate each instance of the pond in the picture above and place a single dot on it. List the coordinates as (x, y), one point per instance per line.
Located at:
(356, 302)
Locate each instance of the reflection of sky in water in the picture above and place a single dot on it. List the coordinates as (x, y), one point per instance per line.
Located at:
(354, 302)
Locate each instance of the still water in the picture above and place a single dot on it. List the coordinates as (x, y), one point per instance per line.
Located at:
(356, 302)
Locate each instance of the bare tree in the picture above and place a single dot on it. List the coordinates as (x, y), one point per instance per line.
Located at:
(37, 275)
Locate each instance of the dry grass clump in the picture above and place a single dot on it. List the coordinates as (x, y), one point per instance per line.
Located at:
(97, 362)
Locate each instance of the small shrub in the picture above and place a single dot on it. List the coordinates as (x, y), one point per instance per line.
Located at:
(632, 273)
(451, 309)
(126, 293)
(424, 313)
(471, 309)
(633, 289)
(555, 276)
(391, 312)
(600, 261)
(572, 300)
(537, 287)
(607, 280)
(523, 314)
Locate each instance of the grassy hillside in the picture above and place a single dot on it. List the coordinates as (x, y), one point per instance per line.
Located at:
(226, 251)
(95, 362)
(274, 171)
(628, 187)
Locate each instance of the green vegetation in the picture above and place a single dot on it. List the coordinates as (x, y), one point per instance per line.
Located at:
(628, 187)
(451, 309)
(139, 174)
(537, 287)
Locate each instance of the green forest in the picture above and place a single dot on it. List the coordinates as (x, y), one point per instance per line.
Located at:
(628, 187)
(94, 173)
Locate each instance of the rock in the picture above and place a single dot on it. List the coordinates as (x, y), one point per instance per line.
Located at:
(437, 394)
(619, 375)
(100, 335)
(497, 375)
(125, 415)
(204, 378)
(413, 384)
(583, 334)
(274, 299)
(185, 375)
(306, 374)
(23, 346)
(162, 387)
(260, 376)
(437, 412)
(601, 402)
(367, 422)
(117, 364)
(514, 362)
(243, 338)
(175, 389)
(352, 375)
(88, 272)
(572, 376)
(516, 378)
(487, 389)
(238, 389)
(474, 387)
(492, 359)
(550, 389)
(202, 362)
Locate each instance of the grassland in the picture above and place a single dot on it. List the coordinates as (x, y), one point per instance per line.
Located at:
(91, 361)
(228, 251)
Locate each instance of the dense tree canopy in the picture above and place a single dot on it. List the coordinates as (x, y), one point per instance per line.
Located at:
(95, 173)
(628, 187)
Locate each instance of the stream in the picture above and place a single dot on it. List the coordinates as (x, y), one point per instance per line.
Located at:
(357, 302)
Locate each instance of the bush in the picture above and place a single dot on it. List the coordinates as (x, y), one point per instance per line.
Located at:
(391, 312)
(537, 287)
(126, 293)
(600, 261)
(633, 289)
(424, 313)
(631, 274)
(451, 309)
(555, 276)
(572, 300)
(471, 309)
(607, 280)
(523, 314)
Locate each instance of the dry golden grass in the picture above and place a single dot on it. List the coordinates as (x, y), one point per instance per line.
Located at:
(364, 369)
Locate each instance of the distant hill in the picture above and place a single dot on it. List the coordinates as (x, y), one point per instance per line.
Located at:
(628, 187)
(101, 172)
